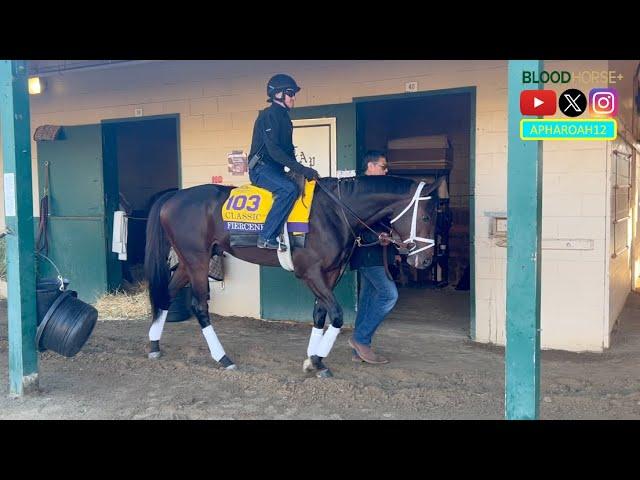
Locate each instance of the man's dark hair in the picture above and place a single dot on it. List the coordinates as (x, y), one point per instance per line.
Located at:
(373, 156)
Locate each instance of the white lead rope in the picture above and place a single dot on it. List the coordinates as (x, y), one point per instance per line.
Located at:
(412, 237)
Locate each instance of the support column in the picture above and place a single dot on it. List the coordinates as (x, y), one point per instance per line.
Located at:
(524, 213)
(18, 206)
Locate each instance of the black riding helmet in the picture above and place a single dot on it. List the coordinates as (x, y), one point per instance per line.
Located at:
(281, 83)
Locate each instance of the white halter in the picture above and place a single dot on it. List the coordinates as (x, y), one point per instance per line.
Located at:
(412, 237)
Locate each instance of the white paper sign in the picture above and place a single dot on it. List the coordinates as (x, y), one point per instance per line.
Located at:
(9, 195)
(315, 142)
(237, 163)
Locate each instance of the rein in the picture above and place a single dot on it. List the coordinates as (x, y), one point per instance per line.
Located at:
(344, 207)
(412, 236)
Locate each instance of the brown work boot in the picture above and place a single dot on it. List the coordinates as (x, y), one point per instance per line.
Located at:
(366, 354)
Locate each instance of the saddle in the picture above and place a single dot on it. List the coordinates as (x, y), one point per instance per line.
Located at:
(246, 210)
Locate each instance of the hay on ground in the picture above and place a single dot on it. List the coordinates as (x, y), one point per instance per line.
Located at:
(131, 303)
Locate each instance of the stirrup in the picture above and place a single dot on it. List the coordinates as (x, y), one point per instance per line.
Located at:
(268, 244)
(282, 247)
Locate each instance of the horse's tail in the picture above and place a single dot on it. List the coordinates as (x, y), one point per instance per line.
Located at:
(155, 258)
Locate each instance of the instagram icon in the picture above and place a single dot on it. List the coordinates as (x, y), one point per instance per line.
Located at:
(603, 101)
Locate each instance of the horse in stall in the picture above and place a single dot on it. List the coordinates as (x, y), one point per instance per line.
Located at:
(190, 221)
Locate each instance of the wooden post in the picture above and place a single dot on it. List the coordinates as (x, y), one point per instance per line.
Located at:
(18, 205)
(524, 212)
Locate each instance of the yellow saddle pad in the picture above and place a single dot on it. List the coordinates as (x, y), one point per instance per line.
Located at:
(247, 207)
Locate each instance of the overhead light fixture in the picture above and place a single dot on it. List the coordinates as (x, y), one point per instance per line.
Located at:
(36, 86)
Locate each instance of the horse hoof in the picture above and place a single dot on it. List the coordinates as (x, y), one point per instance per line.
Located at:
(307, 366)
(326, 373)
(155, 355)
(233, 366)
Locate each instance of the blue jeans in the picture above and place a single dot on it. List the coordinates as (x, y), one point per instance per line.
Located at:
(378, 295)
(285, 193)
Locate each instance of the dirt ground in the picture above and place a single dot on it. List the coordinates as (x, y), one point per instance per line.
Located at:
(435, 372)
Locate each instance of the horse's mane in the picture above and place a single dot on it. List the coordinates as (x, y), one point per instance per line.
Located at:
(370, 184)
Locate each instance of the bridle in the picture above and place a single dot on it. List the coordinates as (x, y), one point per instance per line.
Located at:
(411, 241)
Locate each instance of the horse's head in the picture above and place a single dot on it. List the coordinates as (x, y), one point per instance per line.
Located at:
(414, 224)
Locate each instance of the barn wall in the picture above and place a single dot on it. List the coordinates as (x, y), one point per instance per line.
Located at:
(219, 100)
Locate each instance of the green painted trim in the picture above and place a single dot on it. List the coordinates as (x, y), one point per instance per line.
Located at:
(179, 152)
(411, 96)
(79, 231)
(140, 119)
(472, 214)
(524, 211)
(15, 123)
(110, 185)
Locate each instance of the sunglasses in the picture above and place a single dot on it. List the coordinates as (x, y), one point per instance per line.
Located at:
(290, 92)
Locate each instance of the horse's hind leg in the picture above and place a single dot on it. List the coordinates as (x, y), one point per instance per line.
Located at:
(198, 274)
(178, 280)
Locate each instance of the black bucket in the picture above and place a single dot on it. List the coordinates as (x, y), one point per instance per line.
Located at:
(180, 308)
(47, 291)
(67, 325)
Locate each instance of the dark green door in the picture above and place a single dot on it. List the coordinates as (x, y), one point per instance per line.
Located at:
(82, 196)
(282, 295)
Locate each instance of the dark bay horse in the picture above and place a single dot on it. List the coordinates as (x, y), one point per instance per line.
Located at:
(190, 220)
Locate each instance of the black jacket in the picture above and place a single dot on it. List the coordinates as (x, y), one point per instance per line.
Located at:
(371, 256)
(274, 129)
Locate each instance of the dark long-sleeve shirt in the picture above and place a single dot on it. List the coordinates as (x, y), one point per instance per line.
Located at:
(274, 129)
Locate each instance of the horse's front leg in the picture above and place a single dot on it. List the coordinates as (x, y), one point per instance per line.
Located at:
(320, 344)
(319, 315)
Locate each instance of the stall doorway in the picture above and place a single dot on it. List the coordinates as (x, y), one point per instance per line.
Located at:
(426, 137)
(146, 152)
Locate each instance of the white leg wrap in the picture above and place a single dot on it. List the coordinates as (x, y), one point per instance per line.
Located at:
(155, 332)
(217, 352)
(328, 339)
(314, 341)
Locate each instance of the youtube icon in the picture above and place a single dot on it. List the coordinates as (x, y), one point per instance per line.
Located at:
(538, 102)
